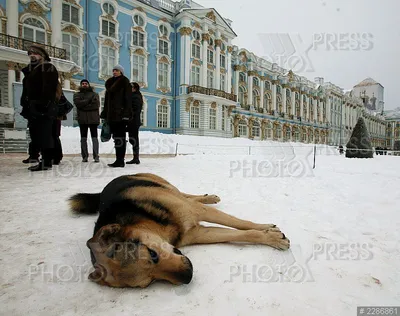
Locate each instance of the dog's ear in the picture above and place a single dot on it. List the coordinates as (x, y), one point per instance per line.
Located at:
(109, 234)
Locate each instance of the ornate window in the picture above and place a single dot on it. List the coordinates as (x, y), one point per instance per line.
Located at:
(196, 35)
(256, 129)
(195, 75)
(108, 23)
(138, 20)
(242, 128)
(108, 60)
(163, 78)
(138, 38)
(196, 50)
(163, 114)
(256, 82)
(210, 56)
(267, 85)
(194, 116)
(222, 82)
(71, 43)
(213, 118)
(163, 41)
(223, 118)
(297, 105)
(138, 68)
(267, 101)
(242, 77)
(210, 78)
(223, 61)
(241, 96)
(34, 30)
(268, 130)
(288, 134)
(256, 98)
(70, 13)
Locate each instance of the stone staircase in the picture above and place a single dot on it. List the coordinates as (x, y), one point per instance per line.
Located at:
(14, 140)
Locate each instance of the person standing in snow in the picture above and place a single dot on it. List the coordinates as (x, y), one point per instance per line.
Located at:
(134, 124)
(118, 111)
(41, 91)
(87, 102)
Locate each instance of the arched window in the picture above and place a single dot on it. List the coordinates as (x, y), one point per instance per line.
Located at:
(256, 129)
(267, 101)
(242, 92)
(34, 30)
(256, 98)
(268, 130)
(256, 83)
(242, 128)
(242, 77)
(267, 85)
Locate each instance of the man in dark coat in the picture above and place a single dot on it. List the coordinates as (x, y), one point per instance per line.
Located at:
(39, 102)
(118, 111)
(134, 124)
(87, 102)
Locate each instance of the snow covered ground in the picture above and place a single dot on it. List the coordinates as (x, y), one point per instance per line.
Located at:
(342, 219)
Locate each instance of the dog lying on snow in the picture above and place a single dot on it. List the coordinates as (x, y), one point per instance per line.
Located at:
(143, 220)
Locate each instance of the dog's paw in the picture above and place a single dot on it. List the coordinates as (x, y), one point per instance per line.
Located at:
(268, 227)
(211, 199)
(277, 239)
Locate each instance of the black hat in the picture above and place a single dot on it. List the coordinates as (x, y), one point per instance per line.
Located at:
(85, 80)
(39, 50)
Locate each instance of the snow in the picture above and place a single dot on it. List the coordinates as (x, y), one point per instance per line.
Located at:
(341, 217)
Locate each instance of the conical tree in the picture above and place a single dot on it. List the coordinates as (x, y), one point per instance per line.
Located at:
(359, 145)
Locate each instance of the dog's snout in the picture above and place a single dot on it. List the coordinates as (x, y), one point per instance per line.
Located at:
(177, 251)
(187, 274)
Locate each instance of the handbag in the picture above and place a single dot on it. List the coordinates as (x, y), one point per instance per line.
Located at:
(64, 106)
(105, 135)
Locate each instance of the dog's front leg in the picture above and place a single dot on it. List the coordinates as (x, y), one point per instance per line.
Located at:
(213, 215)
(212, 235)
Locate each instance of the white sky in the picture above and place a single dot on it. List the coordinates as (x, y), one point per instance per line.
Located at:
(256, 22)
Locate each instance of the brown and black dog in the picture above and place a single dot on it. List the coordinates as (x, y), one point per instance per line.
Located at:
(143, 220)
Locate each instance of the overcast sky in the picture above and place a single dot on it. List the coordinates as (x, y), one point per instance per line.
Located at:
(344, 41)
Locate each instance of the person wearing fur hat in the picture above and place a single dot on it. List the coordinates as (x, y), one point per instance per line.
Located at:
(87, 102)
(40, 95)
(118, 111)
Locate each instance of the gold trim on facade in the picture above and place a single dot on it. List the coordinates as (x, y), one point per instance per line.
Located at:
(185, 31)
(211, 16)
(205, 37)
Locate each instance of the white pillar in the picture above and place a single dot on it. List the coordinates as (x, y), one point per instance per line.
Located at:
(283, 100)
(11, 80)
(262, 85)
(236, 83)
(217, 81)
(274, 104)
(186, 50)
(293, 110)
(250, 90)
(301, 106)
(205, 39)
(229, 70)
(12, 17)
(56, 16)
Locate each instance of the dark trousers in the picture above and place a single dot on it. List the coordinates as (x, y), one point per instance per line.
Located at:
(118, 131)
(133, 133)
(95, 141)
(42, 135)
(57, 150)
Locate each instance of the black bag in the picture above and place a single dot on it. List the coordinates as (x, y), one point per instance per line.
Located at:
(105, 135)
(64, 106)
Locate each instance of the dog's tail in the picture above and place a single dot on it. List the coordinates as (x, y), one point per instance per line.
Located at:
(85, 203)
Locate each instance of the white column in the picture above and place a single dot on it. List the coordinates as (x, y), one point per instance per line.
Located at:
(217, 81)
(328, 109)
(301, 106)
(205, 63)
(293, 110)
(315, 109)
(229, 70)
(56, 16)
(11, 80)
(236, 83)
(283, 100)
(262, 85)
(250, 90)
(12, 17)
(186, 50)
(21, 76)
(274, 104)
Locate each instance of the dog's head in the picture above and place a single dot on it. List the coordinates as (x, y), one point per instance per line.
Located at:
(126, 258)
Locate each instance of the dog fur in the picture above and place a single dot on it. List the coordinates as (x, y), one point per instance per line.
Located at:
(143, 220)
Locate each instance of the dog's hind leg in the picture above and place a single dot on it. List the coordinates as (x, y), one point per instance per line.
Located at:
(204, 199)
(213, 235)
(213, 215)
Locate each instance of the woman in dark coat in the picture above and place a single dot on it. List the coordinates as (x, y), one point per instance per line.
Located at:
(118, 111)
(39, 100)
(134, 124)
(87, 103)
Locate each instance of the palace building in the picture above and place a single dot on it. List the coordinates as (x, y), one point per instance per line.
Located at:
(194, 80)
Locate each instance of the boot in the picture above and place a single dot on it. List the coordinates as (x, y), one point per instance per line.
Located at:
(120, 155)
(45, 163)
(84, 150)
(30, 160)
(135, 160)
(95, 142)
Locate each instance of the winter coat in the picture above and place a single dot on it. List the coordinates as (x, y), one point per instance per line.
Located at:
(137, 105)
(87, 103)
(118, 100)
(39, 88)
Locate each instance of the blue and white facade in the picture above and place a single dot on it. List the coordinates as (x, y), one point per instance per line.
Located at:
(194, 80)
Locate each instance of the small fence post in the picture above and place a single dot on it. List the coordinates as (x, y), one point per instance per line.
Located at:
(176, 150)
(315, 150)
